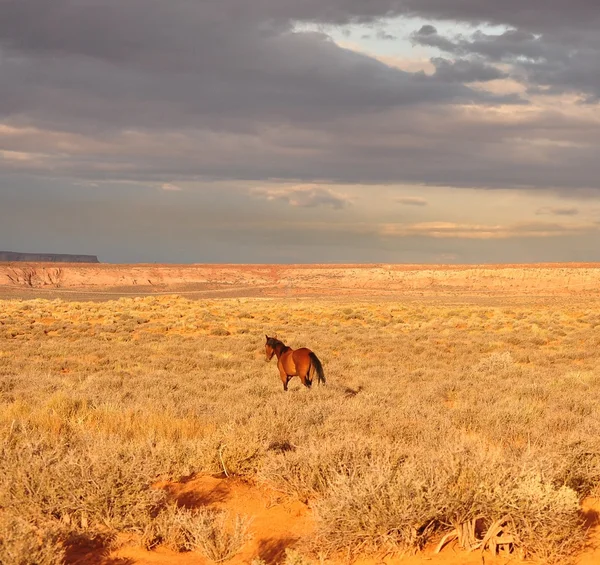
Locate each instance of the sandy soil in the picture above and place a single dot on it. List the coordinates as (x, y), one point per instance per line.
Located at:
(278, 523)
(106, 281)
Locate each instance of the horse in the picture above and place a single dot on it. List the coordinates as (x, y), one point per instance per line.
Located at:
(294, 362)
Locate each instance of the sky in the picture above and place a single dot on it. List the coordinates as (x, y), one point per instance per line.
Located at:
(301, 131)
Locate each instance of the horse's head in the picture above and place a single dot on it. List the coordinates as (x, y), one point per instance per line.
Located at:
(270, 348)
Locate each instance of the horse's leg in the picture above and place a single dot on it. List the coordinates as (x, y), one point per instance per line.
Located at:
(284, 378)
(303, 373)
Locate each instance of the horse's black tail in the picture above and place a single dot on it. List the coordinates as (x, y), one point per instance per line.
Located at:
(316, 367)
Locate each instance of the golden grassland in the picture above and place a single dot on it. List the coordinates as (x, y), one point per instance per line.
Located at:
(436, 417)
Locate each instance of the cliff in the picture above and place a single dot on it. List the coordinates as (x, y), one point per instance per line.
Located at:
(380, 280)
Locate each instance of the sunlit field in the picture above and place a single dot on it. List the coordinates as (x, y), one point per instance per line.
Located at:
(480, 420)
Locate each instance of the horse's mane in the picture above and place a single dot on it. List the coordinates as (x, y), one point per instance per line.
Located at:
(274, 342)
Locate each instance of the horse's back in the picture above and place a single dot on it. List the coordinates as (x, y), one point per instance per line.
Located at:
(302, 353)
(301, 357)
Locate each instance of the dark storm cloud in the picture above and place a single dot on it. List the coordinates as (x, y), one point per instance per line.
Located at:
(168, 91)
(148, 64)
(157, 33)
(536, 15)
(87, 17)
(462, 70)
(497, 47)
(548, 63)
(314, 81)
(440, 146)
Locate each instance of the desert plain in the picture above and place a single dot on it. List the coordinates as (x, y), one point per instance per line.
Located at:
(140, 424)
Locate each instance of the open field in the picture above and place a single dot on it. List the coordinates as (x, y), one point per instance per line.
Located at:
(104, 281)
(150, 429)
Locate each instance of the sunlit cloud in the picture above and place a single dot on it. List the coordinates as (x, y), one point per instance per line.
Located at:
(450, 230)
(305, 196)
(16, 156)
(170, 187)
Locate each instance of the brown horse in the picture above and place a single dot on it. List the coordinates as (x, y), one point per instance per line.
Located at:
(294, 362)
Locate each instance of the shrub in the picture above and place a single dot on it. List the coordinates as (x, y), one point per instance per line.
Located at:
(204, 529)
(27, 542)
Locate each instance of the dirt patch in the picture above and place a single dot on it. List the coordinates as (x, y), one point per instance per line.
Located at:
(279, 523)
(591, 513)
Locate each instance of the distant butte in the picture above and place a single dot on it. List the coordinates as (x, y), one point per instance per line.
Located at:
(8, 256)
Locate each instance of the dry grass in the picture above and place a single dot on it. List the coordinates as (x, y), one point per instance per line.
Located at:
(436, 417)
(209, 531)
(25, 542)
(214, 538)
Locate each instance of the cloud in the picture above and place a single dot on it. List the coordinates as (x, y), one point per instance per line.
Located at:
(548, 63)
(100, 97)
(497, 47)
(549, 148)
(557, 211)
(305, 196)
(170, 187)
(231, 90)
(411, 201)
(15, 156)
(451, 230)
(384, 35)
(535, 14)
(464, 70)
(266, 100)
(254, 68)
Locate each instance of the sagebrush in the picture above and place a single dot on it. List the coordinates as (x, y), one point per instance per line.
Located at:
(434, 415)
